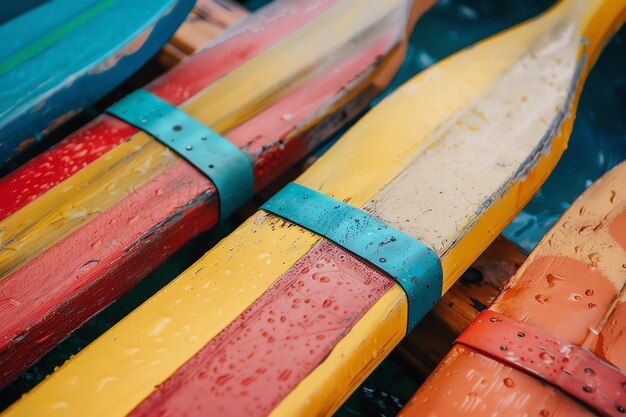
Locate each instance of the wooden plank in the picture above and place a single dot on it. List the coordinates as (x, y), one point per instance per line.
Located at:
(572, 285)
(93, 213)
(64, 55)
(275, 320)
(207, 20)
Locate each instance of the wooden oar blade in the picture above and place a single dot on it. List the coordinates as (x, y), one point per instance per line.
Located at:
(571, 289)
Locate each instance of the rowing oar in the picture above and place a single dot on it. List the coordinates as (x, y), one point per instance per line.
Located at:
(85, 221)
(291, 311)
(555, 332)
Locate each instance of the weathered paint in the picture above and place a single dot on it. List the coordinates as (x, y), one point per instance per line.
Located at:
(283, 127)
(151, 347)
(571, 368)
(571, 286)
(413, 265)
(184, 81)
(486, 385)
(64, 55)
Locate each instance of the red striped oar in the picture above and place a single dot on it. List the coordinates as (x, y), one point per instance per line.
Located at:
(85, 221)
(291, 311)
(556, 332)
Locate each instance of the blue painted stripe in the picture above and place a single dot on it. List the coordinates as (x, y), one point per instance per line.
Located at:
(213, 155)
(414, 266)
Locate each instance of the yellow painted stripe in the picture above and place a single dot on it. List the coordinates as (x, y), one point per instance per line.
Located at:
(115, 373)
(336, 34)
(118, 370)
(234, 98)
(77, 200)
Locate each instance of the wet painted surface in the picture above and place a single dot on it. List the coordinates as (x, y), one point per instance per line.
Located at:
(302, 316)
(156, 342)
(572, 369)
(80, 67)
(571, 288)
(605, 87)
(323, 94)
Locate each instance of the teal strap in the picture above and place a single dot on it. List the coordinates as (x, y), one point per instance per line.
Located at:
(414, 266)
(213, 155)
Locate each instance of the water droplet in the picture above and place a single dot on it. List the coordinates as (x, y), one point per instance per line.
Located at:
(594, 258)
(589, 292)
(585, 230)
(546, 357)
(327, 303)
(508, 382)
(551, 279)
(284, 375)
(382, 260)
(541, 298)
(189, 147)
(223, 379)
(177, 128)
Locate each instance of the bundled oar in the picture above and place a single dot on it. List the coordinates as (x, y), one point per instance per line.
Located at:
(59, 56)
(291, 311)
(557, 330)
(207, 20)
(88, 219)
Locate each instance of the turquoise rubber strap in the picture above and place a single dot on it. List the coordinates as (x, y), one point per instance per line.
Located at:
(212, 154)
(414, 266)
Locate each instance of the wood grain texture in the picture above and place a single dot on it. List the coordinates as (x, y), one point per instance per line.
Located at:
(571, 286)
(121, 200)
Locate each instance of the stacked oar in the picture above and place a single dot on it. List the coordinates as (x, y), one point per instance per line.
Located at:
(555, 333)
(291, 311)
(58, 57)
(85, 221)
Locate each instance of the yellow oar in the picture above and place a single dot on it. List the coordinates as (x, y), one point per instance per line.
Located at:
(448, 160)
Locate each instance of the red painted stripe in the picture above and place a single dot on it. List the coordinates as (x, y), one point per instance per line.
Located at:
(261, 356)
(44, 301)
(184, 81)
(62, 277)
(263, 137)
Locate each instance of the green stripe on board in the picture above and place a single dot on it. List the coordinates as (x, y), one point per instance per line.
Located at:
(41, 44)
